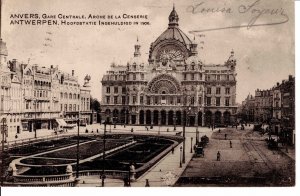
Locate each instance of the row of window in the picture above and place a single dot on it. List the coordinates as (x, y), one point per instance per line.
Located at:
(192, 76)
(70, 96)
(116, 89)
(40, 93)
(216, 77)
(218, 101)
(218, 90)
(171, 101)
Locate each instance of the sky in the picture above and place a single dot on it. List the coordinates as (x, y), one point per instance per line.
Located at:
(265, 54)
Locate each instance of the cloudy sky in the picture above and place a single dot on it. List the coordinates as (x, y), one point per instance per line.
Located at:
(265, 54)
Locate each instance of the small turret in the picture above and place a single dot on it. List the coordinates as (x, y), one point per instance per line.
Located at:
(173, 18)
(194, 47)
(137, 47)
(231, 62)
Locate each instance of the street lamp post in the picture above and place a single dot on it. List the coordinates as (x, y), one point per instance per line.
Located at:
(3, 131)
(77, 158)
(191, 145)
(180, 158)
(35, 126)
(103, 157)
(175, 119)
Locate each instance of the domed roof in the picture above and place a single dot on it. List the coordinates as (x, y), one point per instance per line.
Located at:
(3, 48)
(173, 33)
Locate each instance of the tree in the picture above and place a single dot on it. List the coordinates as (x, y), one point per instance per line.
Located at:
(95, 105)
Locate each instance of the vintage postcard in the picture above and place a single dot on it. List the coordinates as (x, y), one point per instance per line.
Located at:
(176, 93)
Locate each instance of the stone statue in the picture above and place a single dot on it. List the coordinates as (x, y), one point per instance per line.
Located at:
(132, 172)
(12, 169)
(69, 169)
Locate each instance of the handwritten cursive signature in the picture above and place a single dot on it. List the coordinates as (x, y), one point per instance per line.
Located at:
(253, 9)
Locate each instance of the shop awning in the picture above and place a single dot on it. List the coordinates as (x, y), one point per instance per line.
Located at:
(61, 122)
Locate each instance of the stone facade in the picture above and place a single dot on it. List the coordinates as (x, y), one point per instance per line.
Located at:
(172, 86)
(34, 97)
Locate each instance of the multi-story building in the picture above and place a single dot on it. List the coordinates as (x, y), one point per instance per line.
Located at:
(173, 84)
(248, 109)
(275, 107)
(263, 105)
(35, 97)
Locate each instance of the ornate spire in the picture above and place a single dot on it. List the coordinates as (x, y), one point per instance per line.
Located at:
(137, 47)
(173, 18)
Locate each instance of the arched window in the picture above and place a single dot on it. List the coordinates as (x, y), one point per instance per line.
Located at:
(70, 96)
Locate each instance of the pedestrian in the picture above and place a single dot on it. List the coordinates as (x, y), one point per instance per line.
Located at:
(97, 131)
(225, 136)
(173, 150)
(218, 156)
(16, 136)
(219, 130)
(131, 129)
(230, 144)
(167, 129)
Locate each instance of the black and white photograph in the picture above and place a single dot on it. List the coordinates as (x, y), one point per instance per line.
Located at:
(174, 93)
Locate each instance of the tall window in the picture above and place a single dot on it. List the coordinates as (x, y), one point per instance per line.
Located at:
(208, 101)
(115, 99)
(116, 77)
(227, 91)
(148, 101)
(155, 100)
(133, 99)
(200, 100)
(116, 89)
(141, 100)
(192, 77)
(227, 101)
(142, 76)
(227, 77)
(217, 101)
(70, 107)
(108, 89)
(134, 77)
(184, 77)
(107, 99)
(123, 90)
(193, 101)
(123, 99)
(66, 107)
(208, 90)
(218, 77)
(178, 100)
(74, 107)
(218, 90)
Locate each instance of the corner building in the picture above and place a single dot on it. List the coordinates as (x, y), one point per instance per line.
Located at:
(173, 85)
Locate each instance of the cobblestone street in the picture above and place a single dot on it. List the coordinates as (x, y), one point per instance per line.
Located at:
(248, 163)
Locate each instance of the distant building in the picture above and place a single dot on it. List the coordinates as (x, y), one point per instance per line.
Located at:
(263, 105)
(174, 84)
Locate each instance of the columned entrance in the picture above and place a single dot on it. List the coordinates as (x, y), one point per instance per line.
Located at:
(227, 118)
(148, 117)
(218, 116)
(208, 118)
(199, 118)
(142, 113)
(171, 118)
(163, 117)
(178, 118)
(155, 117)
(133, 119)
(191, 121)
